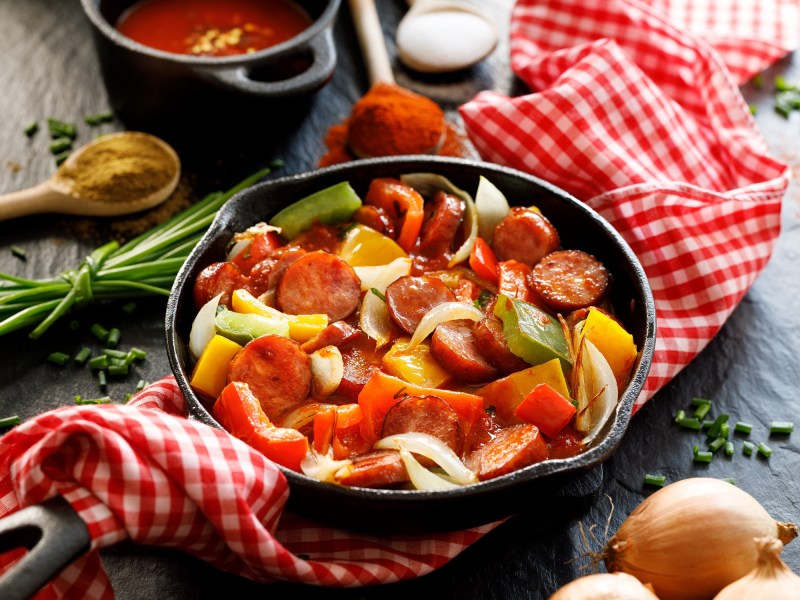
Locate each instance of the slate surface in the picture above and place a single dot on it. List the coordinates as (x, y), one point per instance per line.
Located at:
(751, 369)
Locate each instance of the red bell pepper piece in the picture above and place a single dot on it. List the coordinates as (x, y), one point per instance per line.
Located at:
(261, 246)
(404, 206)
(483, 261)
(547, 409)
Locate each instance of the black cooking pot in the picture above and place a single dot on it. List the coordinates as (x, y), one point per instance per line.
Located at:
(162, 91)
(404, 511)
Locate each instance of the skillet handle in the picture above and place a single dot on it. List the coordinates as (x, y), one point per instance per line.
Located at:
(54, 534)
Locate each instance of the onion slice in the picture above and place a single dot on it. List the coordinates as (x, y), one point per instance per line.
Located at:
(303, 415)
(374, 317)
(203, 327)
(446, 311)
(433, 448)
(327, 370)
(321, 466)
(421, 478)
(595, 390)
(491, 206)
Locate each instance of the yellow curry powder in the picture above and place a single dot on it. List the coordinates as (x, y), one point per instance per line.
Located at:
(120, 168)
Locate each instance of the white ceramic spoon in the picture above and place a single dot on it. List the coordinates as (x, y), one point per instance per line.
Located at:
(439, 36)
(55, 195)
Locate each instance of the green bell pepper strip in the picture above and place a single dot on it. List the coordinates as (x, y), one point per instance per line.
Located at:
(242, 328)
(334, 204)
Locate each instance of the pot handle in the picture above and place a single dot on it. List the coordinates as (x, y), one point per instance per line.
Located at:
(54, 534)
(324, 62)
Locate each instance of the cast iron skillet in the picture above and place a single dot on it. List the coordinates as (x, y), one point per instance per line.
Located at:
(56, 535)
(403, 511)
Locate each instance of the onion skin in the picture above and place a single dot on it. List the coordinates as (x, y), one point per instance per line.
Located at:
(692, 538)
(770, 579)
(605, 586)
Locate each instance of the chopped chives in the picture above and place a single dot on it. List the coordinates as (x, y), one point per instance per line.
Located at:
(118, 369)
(700, 401)
(58, 358)
(702, 410)
(99, 362)
(100, 332)
(129, 308)
(715, 429)
(137, 353)
(104, 117)
(729, 448)
(753, 109)
(725, 430)
(9, 421)
(61, 129)
(377, 292)
(101, 377)
(680, 415)
(113, 361)
(730, 480)
(689, 423)
(31, 129)
(742, 427)
(113, 337)
(703, 457)
(101, 400)
(758, 81)
(112, 353)
(141, 385)
(696, 449)
(276, 164)
(81, 357)
(781, 427)
(764, 450)
(707, 423)
(716, 444)
(747, 448)
(656, 480)
(60, 158)
(781, 85)
(19, 252)
(59, 145)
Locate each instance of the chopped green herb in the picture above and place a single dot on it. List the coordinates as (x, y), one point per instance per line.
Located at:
(104, 117)
(707, 423)
(129, 308)
(113, 361)
(725, 431)
(702, 410)
(703, 457)
(58, 358)
(700, 401)
(787, 101)
(101, 378)
(747, 448)
(680, 415)
(81, 357)
(715, 429)
(60, 158)
(781, 427)
(753, 108)
(689, 423)
(101, 400)
(764, 450)
(656, 480)
(781, 85)
(113, 337)
(483, 299)
(31, 129)
(137, 353)
(742, 427)
(729, 448)
(730, 480)
(758, 81)
(19, 252)
(118, 370)
(99, 362)
(59, 145)
(61, 129)
(100, 332)
(11, 421)
(141, 385)
(716, 444)
(378, 294)
(111, 353)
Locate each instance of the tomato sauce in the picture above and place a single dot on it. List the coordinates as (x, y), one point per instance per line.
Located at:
(213, 27)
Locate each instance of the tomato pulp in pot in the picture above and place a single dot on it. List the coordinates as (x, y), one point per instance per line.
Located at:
(213, 27)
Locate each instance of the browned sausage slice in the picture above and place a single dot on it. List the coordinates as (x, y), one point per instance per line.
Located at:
(570, 279)
(382, 468)
(277, 371)
(335, 334)
(218, 278)
(453, 345)
(266, 274)
(524, 235)
(513, 279)
(319, 283)
(359, 360)
(439, 230)
(376, 218)
(512, 449)
(493, 347)
(410, 298)
(424, 414)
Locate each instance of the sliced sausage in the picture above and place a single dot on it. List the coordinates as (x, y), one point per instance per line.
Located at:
(467, 291)
(410, 298)
(570, 279)
(424, 414)
(491, 342)
(376, 218)
(524, 235)
(511, 449)
(335, 334)
(453, 345)
(319, 283)
(513, 280)
(266, 274)
(218, 278)
(359, 360)
(382, 468)
(319, 237)
(439, 230)
(277, 371)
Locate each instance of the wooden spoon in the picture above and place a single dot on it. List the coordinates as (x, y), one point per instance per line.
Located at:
(56, 194)
(439, 36)
(379, 69)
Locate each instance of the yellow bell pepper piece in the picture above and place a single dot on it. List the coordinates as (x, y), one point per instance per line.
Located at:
(303, 327)
(243, 301)
(614, 343)
(416, 366)
(211, 371)
(365, 247)
(506, 394)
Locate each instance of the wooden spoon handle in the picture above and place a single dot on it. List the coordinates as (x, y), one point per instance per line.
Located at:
(39, 199)
(370, 37)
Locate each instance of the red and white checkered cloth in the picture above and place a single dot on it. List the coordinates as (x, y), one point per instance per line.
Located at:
(637, 114)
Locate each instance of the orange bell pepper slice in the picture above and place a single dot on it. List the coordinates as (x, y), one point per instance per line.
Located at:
(240, 412)
(402, 203)
(547, 409)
